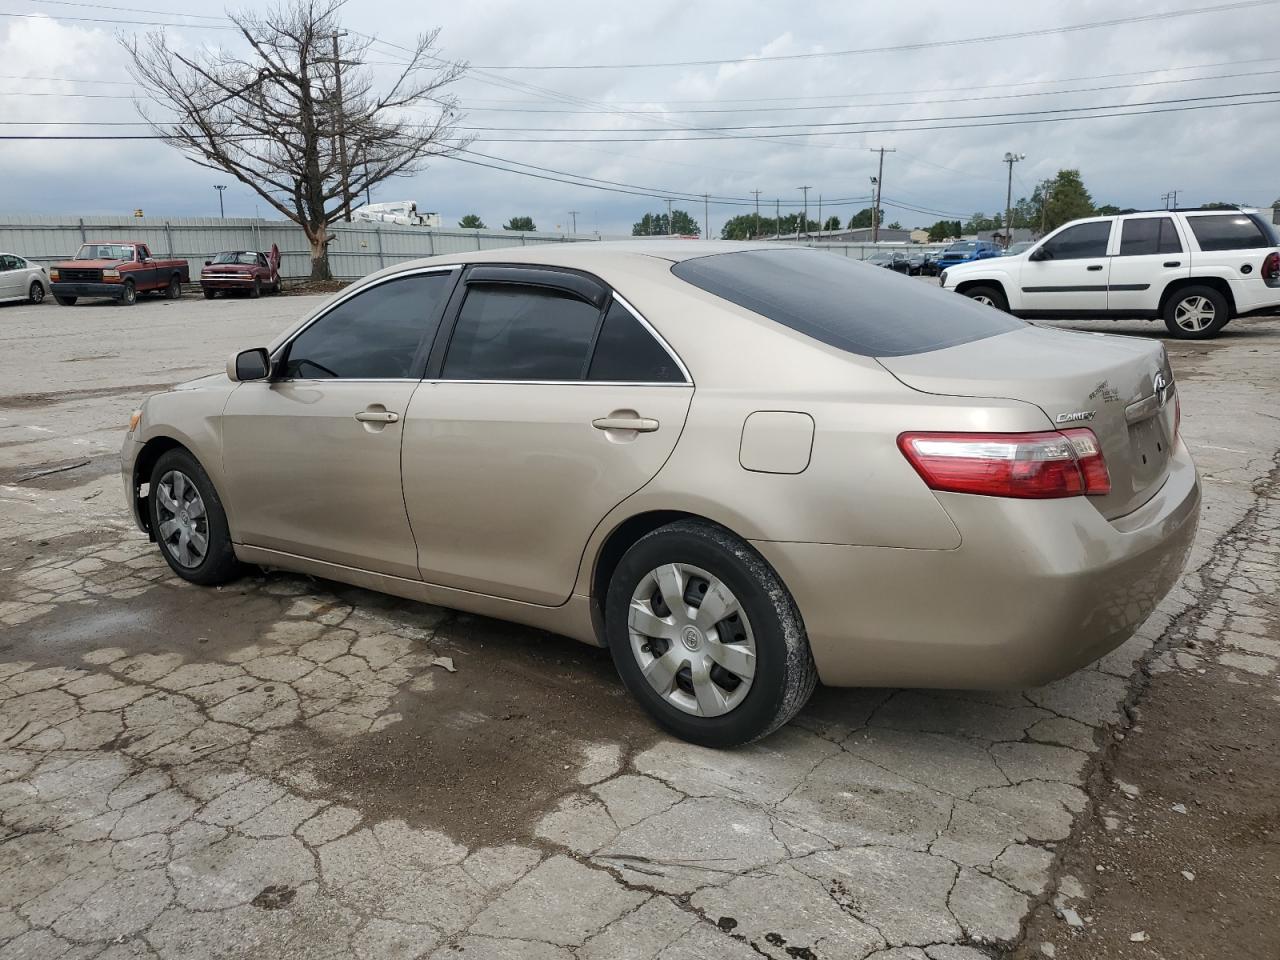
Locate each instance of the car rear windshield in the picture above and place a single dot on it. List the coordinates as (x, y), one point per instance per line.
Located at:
(849, 305)
(1234, 231)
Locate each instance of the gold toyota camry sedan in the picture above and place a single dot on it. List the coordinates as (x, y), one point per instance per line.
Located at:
(743, 468)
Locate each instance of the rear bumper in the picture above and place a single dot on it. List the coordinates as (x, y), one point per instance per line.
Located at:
(73, 289)
(1036, 590)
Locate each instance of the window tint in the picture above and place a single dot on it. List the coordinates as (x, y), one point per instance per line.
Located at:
(512, 332)
(1078, 242)
(373, 335)
(853, 306)
(1148, 235)
(627, 352)
(1234, 231)
(9, 263)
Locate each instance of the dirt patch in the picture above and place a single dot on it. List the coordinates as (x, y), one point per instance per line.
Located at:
(1207, 743)
(301, 288)
(26, 400)
(488, 749)
(59, 474)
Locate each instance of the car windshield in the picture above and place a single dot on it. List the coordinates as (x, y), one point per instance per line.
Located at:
(1020, 247)
(236, 256)
(967, 247)
(834, 300)
(105, 251)
(877, 257)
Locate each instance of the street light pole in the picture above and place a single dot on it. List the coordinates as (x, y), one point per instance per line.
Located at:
(221, 210)
(1010, 159)
(875, 208)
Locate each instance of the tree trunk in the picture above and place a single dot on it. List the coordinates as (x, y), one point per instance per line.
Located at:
(319, 256)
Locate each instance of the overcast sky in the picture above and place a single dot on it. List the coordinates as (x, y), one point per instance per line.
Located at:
(1211, 154)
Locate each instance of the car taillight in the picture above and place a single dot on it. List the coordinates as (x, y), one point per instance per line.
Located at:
(1037, 466)
(1271, 266)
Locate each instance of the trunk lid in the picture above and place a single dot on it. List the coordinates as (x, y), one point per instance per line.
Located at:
(1119, 387)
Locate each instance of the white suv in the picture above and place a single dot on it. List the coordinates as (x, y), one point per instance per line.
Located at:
(1194, 269)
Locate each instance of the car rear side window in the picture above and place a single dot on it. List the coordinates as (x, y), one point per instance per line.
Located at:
(1079, 242)
(628, 353)
(515, 332)
(374, 335)
(856, 307)
(1234, 231)
(1148, 235)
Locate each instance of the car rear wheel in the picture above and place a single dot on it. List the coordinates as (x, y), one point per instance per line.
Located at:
(35, 293)
(989, 296)
(65, 301)
(188, 520)
(706, 636)
(174, 290)
(1196, 313)
(129, 294)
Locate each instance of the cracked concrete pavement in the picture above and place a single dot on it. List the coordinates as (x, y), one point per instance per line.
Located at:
(283, 767)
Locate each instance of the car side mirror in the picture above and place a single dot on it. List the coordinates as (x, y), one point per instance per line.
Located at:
(1040, 253)
(246, 365)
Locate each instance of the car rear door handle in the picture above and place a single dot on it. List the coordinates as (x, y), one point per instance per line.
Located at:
(373, 415)
(1173, 263)
(638, 424)
(1095, 266)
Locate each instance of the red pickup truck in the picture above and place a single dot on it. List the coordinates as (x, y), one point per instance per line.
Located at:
(119, 271)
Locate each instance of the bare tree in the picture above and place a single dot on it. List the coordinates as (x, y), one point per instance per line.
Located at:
(293, 113)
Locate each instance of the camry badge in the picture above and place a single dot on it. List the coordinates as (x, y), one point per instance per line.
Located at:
(1075, 417)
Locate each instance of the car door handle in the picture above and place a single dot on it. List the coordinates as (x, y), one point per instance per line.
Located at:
(1173, 263)
(377, 416)
(1095, 266)
(638, 424)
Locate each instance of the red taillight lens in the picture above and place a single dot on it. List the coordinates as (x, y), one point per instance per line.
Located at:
(1271, 266)
(1025, 465)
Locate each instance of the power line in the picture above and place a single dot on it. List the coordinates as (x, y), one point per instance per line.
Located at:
(143, 23)
(902, 47)
(107, 6)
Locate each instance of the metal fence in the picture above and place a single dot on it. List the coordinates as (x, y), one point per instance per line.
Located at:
(360, 248)
(861, 251)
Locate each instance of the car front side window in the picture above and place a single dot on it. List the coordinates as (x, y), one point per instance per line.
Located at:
(374, 335)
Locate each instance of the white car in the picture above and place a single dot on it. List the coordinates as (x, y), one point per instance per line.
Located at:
(20, 279)
(1196, 270)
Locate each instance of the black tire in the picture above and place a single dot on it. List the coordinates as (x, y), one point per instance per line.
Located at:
(174, 290)
(128, 294)
(219, 563)
(255, 291)
(993, 296)
(35, 293)
(1186, 296)
(65, 301)
(785, 675)
(209, 294)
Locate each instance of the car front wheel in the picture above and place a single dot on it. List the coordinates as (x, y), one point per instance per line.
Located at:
(188, 520)
(988, 296)
(706, 636)
(129, 294)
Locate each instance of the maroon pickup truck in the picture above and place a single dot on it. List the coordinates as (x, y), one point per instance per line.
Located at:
(246, 271)
(119, 271)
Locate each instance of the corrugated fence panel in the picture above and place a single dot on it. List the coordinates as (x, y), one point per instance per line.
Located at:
(360, 248)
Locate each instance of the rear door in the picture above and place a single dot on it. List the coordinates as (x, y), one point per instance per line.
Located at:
(552, 403)
(1150, 253)
(1069, 274)
(11, 278)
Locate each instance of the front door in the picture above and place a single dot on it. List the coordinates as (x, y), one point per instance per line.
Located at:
(1150, 255)
(546, 412)
(1070, 272)
(312, 457)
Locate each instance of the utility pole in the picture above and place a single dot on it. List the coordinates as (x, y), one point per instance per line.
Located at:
(706, 217)
(669, 230)
(342, 130)
(574, 214)
(777, 219)
(820, 223)
(1170, 199)
(221, 211)
(756, 233)
(804, 216)
(875, 208)
(368, 195)
(1010, 159)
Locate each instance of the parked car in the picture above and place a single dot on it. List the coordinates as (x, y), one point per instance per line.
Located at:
(1194, 269)
(119, 271)
(966, 251)
(20, 279)
(928, 265)
(697, 455)
(245, 271)
(894, 260)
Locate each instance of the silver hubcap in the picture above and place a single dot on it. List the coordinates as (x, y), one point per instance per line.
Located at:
(37, 293)
(987, 301)
(692, 640)
(1194, 314)
(184, 526)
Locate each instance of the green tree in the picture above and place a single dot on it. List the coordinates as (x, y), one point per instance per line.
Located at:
(863, 219)
(656, 225)
(894, 226)
(744, 227)
(944, 230)
(520, 223)
(471, 221)
(1068, 200)
(1219, 206)
(831, 223)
